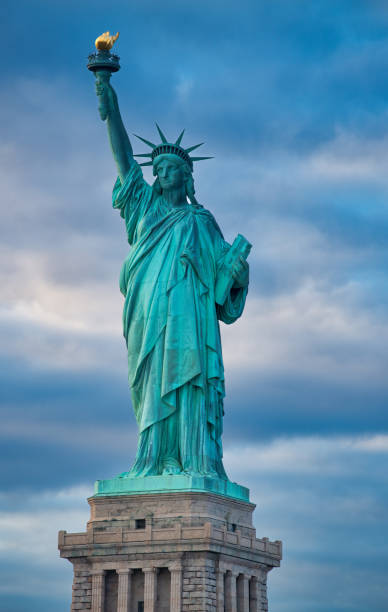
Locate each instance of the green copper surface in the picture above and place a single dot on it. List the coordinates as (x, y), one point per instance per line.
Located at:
(170, 484)
(171, 315)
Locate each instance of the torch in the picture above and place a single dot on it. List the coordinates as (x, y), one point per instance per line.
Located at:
(103, 63)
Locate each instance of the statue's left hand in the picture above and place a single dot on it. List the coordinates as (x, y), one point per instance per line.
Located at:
(106, 94)
(241, 274)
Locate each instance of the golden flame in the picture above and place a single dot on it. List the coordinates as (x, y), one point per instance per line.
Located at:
(106, 41)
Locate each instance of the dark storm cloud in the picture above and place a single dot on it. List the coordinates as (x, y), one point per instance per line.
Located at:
(55, 425)
(266, 407)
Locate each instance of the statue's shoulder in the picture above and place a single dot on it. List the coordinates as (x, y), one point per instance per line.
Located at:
(208, 218)
(133, 187)
(135, 175)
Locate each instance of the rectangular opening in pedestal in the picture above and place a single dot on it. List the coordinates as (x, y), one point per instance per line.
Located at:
(242, 599)
(111, 591)
(163, 593)
(137, 591)
(140, 523)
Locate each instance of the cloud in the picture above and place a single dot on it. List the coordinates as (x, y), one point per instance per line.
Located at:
(184, 87)
(376, 444)
(34, 525)
(82, 436)
(342, 587)
(334, 456)
(30, 523)
(325, 497)
(312, 331)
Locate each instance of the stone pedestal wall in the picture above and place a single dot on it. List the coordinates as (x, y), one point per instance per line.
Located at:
(82, 588)
(180, 552)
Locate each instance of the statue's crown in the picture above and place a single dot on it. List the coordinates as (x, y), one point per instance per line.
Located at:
(169, 148)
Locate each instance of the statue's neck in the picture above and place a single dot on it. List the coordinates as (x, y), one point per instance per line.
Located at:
(175, 197)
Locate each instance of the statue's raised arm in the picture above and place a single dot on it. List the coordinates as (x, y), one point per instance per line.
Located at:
(110, 112)
(103, 63)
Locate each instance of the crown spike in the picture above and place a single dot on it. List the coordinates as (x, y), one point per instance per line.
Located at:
(150, 144)
(200, 158)
(179, 139)
(162, 136)
(166, 147)
(194, 147)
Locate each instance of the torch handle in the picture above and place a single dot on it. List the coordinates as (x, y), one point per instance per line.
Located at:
(102, 80)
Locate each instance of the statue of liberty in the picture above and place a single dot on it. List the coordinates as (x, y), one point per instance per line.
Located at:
(170, 281)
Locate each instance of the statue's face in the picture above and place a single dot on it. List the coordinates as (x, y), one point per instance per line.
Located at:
(170, 173)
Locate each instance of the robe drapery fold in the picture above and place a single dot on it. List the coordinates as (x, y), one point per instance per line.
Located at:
(170, 323)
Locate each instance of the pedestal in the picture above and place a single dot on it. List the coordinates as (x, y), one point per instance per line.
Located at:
(174, 551)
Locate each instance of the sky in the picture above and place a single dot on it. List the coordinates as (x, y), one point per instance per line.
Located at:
(291, 98)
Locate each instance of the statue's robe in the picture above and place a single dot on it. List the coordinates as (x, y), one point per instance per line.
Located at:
(171, 327)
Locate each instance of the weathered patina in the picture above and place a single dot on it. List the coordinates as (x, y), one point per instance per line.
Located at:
(171, 315)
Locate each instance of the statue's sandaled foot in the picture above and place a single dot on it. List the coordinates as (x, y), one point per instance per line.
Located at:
(171, 467)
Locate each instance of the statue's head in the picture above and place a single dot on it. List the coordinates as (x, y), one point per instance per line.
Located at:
(172, 172)
(172, 164)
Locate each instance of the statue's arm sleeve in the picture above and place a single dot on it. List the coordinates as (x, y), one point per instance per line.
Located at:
(233, 307)
(132, 198)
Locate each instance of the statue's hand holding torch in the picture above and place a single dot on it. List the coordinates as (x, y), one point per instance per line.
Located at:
(103, 63)
(106, 94)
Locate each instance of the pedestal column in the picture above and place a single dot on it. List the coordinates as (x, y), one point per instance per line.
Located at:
(98, 590)
(150, 576)
(176, 587)
(230, 592)
(124, 590)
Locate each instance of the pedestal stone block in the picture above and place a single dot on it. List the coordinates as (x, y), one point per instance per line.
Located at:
(202, 546)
